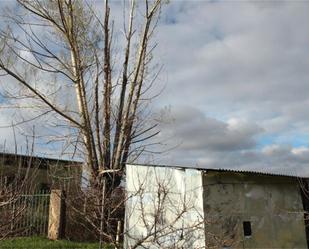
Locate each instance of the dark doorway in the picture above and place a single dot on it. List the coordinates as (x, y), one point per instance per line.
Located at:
(247, 229)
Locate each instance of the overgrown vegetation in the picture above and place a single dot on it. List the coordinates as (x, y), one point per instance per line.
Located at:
(43, 243)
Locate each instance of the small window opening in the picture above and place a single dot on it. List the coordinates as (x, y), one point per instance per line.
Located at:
(247, 229)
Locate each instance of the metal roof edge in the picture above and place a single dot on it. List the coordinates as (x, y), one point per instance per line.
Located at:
(222, 170)
(3, 154)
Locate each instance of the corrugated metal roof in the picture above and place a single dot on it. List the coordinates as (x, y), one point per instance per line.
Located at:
(41, 158)
(272, 172)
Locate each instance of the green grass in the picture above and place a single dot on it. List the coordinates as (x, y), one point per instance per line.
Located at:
(39, 242)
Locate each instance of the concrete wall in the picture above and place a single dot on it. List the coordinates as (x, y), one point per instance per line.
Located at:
(216, 205)
(272, 204)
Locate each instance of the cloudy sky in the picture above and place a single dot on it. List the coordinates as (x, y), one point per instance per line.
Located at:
(236, 85)
(237, 88)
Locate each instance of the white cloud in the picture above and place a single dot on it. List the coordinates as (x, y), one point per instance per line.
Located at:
(300, 151)
(195, 131)
(237, 76)
(232, 62)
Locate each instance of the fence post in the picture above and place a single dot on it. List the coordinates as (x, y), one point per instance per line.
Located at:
(13, 207)
(118, 234)
(56, 219)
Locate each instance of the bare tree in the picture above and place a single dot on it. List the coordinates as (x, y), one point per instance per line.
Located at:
(66, 44)
(67, 51)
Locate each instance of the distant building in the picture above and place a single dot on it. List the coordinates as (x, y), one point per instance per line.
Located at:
(46, 173)
(214, 208)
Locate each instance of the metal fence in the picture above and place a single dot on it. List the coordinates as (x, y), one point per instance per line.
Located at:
(29, 214)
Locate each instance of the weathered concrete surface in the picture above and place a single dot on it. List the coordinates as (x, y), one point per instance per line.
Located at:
(272, 204)
(56, 221)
